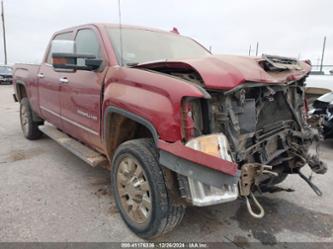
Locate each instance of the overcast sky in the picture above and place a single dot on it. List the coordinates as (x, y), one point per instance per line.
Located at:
(285, 27)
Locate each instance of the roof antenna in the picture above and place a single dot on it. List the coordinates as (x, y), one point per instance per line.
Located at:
(175, 30)
(120, 34)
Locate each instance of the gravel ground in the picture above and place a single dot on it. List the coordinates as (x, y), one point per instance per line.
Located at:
(49, 195)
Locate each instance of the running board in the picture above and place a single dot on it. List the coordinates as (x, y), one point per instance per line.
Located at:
(88, 155)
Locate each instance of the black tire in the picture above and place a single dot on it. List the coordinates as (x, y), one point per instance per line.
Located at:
(28, 125)
(165, 213)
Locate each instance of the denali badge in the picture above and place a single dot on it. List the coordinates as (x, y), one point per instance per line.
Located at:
(87, 115)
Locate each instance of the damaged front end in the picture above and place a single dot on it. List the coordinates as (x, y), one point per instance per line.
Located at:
(262, 128)
(259, 126)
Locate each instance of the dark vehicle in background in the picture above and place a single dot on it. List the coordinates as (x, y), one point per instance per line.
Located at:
(322, 114)
(6, 75)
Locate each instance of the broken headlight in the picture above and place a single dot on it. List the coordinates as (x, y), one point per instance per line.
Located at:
(203, 194)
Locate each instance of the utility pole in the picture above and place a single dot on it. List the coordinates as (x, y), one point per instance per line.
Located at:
(257, 49)
(322, 56)
(250, 50)
(4, 32)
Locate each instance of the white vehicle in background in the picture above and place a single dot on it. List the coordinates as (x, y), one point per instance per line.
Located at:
(318, 85)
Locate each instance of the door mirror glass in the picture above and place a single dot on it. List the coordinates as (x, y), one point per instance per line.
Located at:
(63, 46)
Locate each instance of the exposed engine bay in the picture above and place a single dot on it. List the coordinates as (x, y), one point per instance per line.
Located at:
(264, 125)
(267, 132)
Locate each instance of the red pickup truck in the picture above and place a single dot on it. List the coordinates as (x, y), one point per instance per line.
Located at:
(175, 125)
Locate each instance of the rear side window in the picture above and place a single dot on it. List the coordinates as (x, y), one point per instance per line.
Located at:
(64, 36)
(87, 43)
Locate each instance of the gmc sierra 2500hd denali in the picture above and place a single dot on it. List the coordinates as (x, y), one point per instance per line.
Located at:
(175, 125)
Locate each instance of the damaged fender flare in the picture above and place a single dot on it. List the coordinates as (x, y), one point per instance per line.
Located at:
(134, 117)
(196, 171)
(181, 166)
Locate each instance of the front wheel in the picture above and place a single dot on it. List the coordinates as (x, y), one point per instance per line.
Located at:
(140, 191)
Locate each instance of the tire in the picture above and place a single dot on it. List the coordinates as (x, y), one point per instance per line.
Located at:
(28, 125)
(161, 213)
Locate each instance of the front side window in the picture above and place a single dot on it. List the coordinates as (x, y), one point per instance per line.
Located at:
(141, 46)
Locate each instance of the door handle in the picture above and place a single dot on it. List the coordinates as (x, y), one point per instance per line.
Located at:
(41, 75)
(64, 80)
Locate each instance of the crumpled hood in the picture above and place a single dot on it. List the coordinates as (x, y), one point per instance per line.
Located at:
(227, 72)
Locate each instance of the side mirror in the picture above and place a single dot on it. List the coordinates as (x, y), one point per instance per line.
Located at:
(64, 57)
(63, 46)
(70, 61)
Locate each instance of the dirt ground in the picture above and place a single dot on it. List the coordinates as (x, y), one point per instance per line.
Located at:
(49, 195)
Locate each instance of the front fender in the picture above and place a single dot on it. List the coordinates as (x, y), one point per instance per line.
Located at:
(153, 96)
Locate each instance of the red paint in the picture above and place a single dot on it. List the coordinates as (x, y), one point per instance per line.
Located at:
(198, 157)
(226, 72)
(153, 96)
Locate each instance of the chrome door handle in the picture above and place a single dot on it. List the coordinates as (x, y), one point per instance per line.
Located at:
(63, 80)
(41, 75)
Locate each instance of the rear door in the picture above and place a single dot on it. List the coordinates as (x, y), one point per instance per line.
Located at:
(49, 86)
(81, 92)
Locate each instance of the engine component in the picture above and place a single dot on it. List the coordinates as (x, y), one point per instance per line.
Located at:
(250, 174)
(316, 165)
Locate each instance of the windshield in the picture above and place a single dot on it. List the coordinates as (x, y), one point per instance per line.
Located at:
(141, 46)
(5, 70)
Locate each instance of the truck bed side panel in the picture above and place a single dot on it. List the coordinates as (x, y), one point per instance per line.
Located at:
(26, 74)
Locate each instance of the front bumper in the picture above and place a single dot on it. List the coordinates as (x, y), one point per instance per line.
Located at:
(6, 80)
(211, 180)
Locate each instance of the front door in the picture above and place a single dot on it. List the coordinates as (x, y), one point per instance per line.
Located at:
(81, 93)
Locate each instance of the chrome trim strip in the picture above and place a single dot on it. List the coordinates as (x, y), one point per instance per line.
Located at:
(70, 121)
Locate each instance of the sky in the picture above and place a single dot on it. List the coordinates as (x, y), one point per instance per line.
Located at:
(294, 28)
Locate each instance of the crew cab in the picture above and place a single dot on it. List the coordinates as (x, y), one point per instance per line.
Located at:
(174, 124)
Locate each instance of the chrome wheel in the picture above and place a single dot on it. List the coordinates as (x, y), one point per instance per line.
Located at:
(25, 119)
(134, 190)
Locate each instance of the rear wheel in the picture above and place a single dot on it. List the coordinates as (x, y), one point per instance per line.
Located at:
(29, 126)
(140, 191)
